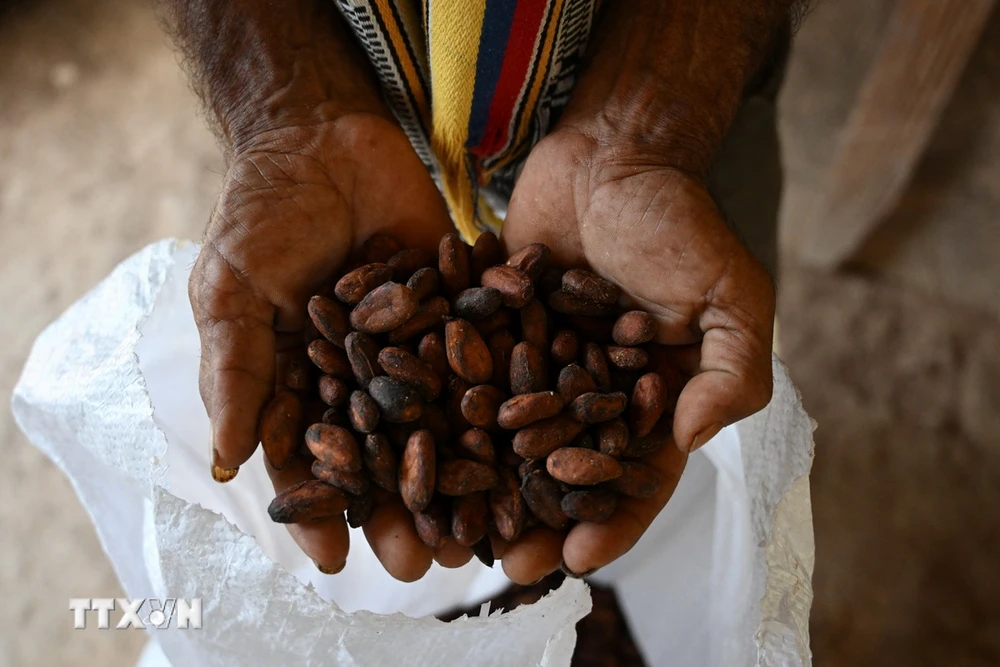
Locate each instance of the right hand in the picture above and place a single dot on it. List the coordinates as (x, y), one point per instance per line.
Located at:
(294, 203)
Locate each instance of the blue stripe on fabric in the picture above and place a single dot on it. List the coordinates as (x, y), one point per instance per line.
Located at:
(497, 20)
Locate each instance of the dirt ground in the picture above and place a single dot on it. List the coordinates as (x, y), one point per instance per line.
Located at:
(102, 151)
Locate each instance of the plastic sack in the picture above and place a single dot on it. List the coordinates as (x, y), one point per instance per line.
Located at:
(109, 393)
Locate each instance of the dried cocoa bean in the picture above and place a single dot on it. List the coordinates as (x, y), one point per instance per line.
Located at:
(476, 303)
(637, 480)
(589, 286)
(417, 471)
(298, 376)
(543, 497)
(468, 355)
(528, 371)
(406, 262)
(363, 412)
(329, 318)
(514, 286)
(649, 443)
(525, 409)
(397, 402)
(574, 381)
(531, 260)
(584, 467)
(453, 263)
(333, 391)
(408, 369)
(649, 400)
(483, 550)
(535, 324)
(432, 352)
(628, 358)
(429, 314)
(335, 416)
(359, 509)
(281, 428)
(481, 404)
(597, 366)
(329, 359)
(565, 347)
(433, 524)
(456, 392)
(612, 437)
(476, 445)
(311, 500)
(501, 345)
(379, 248)
(354, 286)
(462, 476)
(355, 483)
(569, 304)
(381, 462)
(362, 353)
(384, 308)
(634, 328)
(334, 446)
(486, 252)
(507, 505)
(594, 407)
(424, 283)
(593, 505)
(542, 438)
(470, 516)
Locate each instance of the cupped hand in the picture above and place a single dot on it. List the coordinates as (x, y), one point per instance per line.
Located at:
(655, 232)
(294, 203)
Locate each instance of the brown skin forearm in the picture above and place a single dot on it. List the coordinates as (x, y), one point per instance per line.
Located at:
(671, 74)
(260, 65)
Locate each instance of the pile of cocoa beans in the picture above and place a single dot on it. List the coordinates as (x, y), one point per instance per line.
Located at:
(485, 393)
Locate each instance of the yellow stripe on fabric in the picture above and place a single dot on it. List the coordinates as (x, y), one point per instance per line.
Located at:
(408, 67)
(454, 33)
(541, 73)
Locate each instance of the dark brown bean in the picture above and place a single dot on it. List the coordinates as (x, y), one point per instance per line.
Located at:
(330, 359)
(593, 505)
(333, 391)
(594, 408)
(384, 308)
(329, 318)
(281, 428)
(649, 400)
(355, 285)
(335, 416)
(334, 446)
(433, 524)
(628, 358)
(525, 409)
(397, 402)
(514, 286)
(424, 283)
(597, 366)
(612, 437)
(634, 328)
(589, 286)
(311, 500)
(453, 263)
(544, 498)
(542, 438)
(507, 505)
(486, 252)
(476, 303)
(429, 315)
(461, 477)
(362, 352)
(406, 262)
(535, 324)
(501, 345)
(578, 466)
(531, 260)
(476, 445)
(481, 404)
(432, 352)
(403, 366)
(637, 480)
(568, 304)
(499, 320)
(359, 509)
(398, 434)
(355, 483)
(363, 412)
(565, 347)
(298, 375)
(417, 471)
(649, 443)
(456, 392)
(483, 550)
(381, 462)
(379, 248)
(468, 355)
(528, 371)
(574, 381)
(470, 517)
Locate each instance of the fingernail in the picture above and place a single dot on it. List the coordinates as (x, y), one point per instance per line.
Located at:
(220, 474)
(706, 434)
(325, 570)
(573, 575)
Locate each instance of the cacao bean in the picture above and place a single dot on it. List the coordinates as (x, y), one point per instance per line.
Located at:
(470, 517)
(637, 480)
(525, 409)
(468, 355)
(501, 345)
(574, 381)
(379, 248)
(334, 446)
(593, 505)
(381, 462)
(507, 505)
(476, 445)
(612, 437)
(565, 347)
(514, 286)
(329, 318)
(335, 416)
(429, 314)
(578, 466)
(424, 283)
(501, 319)
(362, 353)
(649, 400)
(281, 428)
(333, 391)
(531, 260)
(481, 404)
(649, 443)
(486, 252)
(384, 308)
(461, 476)
(363, 412)
(634, 328)
(408, 369)
(597, 366)
(354, 286)
(483, 550)
(297, 375)
(569, 304)
(397, 402)
(542, 438)
(542, 496)
(456, 392)
(417, 471)
(432, 352)
(433, 523)
(359, 509)
(329, 359)
(528, 371)
(406, 262)
(354, 483)
(589, 286)
(311, 500)
(628, 358)
(453, 263)
(476, 303)
(535, 324)
(594, 408)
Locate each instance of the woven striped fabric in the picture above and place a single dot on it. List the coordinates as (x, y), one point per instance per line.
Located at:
(474, 84)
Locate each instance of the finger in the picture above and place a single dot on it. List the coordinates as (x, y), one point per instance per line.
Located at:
(451, 554)
(326, 541)
(237, 356)
(394, 540)
(536, 553)
(593, 545)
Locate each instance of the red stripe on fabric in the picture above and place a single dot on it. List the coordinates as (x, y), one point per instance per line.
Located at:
(516, 64)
